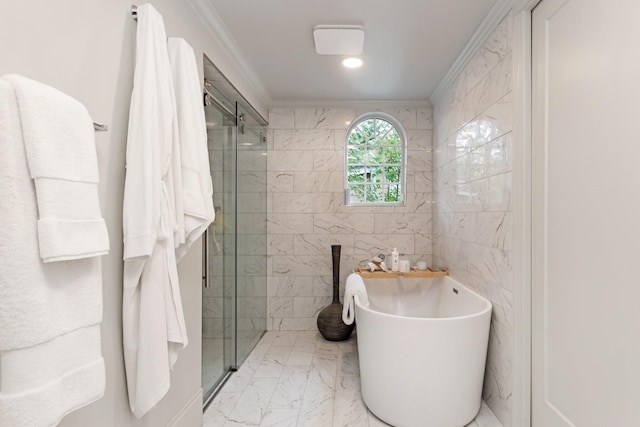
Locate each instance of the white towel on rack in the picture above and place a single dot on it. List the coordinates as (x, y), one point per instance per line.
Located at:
(59, 141)
(153, 320)
(354, 287)
(50, 313)
(194, 154)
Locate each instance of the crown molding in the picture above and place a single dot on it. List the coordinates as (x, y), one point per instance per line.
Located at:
(216, 26)
(373, 104)
(490, 22)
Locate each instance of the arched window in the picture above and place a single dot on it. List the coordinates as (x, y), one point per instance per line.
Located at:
(375, 161)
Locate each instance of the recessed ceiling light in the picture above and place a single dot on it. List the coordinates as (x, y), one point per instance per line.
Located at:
(352, 62)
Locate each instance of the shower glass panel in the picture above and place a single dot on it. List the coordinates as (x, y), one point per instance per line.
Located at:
(251, 246)
(234, 299)
(218, 311)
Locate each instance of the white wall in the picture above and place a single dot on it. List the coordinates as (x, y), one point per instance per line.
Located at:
(472, 196)
(306, 212)
(86, 49)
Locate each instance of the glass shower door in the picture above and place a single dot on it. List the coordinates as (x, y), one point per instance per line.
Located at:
(218, 311)
(251, 249)
(234, 299)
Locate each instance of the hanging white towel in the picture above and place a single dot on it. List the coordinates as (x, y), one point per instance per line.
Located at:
(59, 141)
(50, 313)
(194, 154)
(153, 321)
(354, 287)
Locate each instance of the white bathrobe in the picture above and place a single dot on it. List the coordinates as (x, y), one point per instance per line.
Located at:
(153, 320)
(194, 153)
(51, 237)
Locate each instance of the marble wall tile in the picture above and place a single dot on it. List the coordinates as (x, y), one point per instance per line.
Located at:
(463, 227)
(293, 324)
(374, 244)
(280, 244)
(340, 140)
(301, 265)
(317, 182)
(302, 202)
(497, 391)
(323, 285)
(281, 118)
(494, 229)
(303, 140)
(280, 307)
(419, 160)
(280, 182)
(491, 263)
(323, 118)
(332, 161)
(495, 85)
(497, 120)
(419, 139)
(290, 286)
(309, 306)
(406, 116)
(401, 223)
(423, 245)
(424, 118)
(343, 223)
(501, 299)
(290, 161)
(494, 50)
(320, 244)
(499, 192)
(416, 203)
(286, 223)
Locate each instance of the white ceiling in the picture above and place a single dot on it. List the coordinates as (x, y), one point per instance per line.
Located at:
(409, 45)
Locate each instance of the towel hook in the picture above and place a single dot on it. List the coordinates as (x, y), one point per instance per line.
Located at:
(134, 12)
(99, 127)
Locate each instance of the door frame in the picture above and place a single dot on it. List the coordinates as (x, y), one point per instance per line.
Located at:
(521, 205)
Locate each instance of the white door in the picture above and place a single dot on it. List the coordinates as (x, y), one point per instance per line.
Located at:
(586, 213)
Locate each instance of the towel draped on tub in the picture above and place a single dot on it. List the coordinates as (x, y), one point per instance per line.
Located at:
(51, 237)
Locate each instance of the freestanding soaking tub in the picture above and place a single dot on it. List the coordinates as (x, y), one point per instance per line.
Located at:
(422, 345)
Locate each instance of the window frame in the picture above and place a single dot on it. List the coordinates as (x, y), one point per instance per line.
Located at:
(403, 165)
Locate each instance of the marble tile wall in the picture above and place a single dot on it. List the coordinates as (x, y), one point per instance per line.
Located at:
(306, 211)
(472, 196)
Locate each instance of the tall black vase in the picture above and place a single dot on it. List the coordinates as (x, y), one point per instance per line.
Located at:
(330, 322)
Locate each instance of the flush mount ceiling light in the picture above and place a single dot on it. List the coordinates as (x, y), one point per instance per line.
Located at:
(338, 39)
(352, 62)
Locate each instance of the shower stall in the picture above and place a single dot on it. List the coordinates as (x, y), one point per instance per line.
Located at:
(234, 307)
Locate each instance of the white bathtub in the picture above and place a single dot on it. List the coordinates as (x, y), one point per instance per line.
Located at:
(422, 346)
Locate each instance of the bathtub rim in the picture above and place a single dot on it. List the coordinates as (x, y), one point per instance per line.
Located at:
(488, 306)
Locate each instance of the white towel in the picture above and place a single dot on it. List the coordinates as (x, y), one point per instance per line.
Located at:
(59, 142)
(50, 313)
(197, 189)
(153, 326)
(353, 288)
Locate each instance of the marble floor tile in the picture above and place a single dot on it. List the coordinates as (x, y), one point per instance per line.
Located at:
(297, 379)
(290, 388)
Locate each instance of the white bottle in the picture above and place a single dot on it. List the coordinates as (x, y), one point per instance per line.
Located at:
(395, 260)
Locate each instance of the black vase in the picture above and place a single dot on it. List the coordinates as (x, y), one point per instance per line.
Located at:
(330, 322)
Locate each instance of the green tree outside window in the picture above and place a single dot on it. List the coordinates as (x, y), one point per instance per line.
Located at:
(375, 160)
